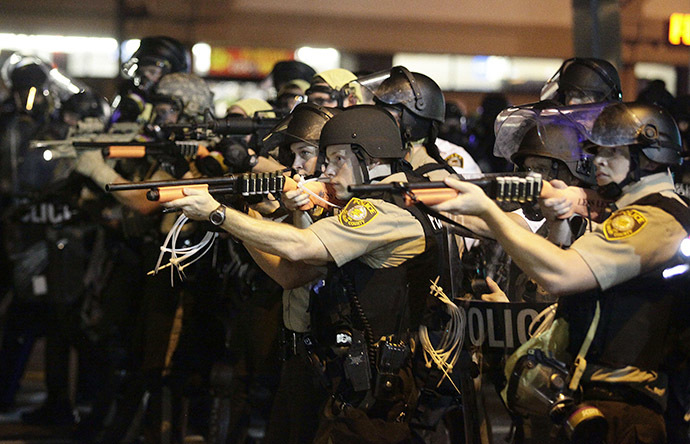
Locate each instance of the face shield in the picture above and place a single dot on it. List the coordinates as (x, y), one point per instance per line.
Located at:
(145, 72)
(513, 123)
(369, 83)
(402, 89)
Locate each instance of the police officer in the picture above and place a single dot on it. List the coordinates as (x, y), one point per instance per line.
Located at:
(141, 328)
(374, 248)
(617, 266)
(555, 152)
(418, 104)
(299, 397)
(45, 235)
(156, 57)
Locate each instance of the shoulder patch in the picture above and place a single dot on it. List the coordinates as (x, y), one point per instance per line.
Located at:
(455, 160)
(624, 223)
(357, 213)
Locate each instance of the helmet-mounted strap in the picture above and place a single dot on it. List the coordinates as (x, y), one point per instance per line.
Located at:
(362, 162)
(418, 99)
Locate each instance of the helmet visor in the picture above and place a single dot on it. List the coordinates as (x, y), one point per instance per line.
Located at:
(371, 82)
(513, 123)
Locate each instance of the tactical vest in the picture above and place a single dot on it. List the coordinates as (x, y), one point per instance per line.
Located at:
(371, 303)
(637, 316)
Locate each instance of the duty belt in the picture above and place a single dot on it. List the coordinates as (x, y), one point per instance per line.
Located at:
(295, 344)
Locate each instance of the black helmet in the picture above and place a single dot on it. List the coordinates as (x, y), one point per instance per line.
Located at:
(416, 92)
(560, 142)
(303, 124)
(649, 128)
(307, 121)
(165, 52)
(596, 79)
(655, 93)
(85, 104)
(21, 72)
(367, 128)
(29, 79)
(287, 70)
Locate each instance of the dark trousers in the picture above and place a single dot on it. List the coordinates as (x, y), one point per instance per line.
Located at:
(299, 399)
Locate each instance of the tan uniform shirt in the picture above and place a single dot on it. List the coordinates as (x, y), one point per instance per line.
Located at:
(634, 239)
(378, 233)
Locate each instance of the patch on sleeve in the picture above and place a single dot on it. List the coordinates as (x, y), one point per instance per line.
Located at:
(623, 223)
(357, 213)
(455, 160)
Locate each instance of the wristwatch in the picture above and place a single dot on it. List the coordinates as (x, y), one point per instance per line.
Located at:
(217, 216)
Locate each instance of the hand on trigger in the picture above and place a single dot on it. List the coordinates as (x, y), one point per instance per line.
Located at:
(294, 199)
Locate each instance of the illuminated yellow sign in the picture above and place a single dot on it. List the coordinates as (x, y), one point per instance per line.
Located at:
(679, 29)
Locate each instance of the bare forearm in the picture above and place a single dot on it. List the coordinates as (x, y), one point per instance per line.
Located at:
(558, 271)
(481, 228)
(275, 238)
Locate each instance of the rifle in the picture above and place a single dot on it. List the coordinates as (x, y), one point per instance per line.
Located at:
(521, 189)
(245, 185)
(86, 133)
(190, 149)
(258, 126)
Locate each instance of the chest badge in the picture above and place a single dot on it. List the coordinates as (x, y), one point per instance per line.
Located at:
(357, 213)
(623, 224)
(455, 160)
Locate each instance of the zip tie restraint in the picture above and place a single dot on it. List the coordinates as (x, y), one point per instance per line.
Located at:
(450, 344)
(178, 256)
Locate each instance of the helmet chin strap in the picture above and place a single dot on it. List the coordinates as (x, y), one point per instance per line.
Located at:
(371, 172)
(362, 163)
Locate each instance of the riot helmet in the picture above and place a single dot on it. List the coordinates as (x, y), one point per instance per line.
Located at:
(418, 104)
(306, 122)
(165, 54)
(562, 143)
(655, 93)
(583, 80)
(645, 128)
(251, 107)
(28, 79)
(188, 94)
(414, 91)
